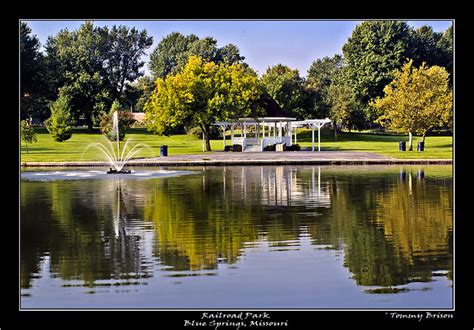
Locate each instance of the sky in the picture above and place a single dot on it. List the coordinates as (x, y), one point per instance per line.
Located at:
(263, 43)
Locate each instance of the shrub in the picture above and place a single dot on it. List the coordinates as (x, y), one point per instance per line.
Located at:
(293, 147)
(125, 121)
(234, 148)
(27, 133)
(270, 147)
(59, 125)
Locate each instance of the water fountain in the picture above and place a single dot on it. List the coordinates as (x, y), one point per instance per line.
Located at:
(117, 159)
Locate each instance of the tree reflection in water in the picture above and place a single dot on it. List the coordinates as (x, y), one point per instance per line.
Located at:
(393, 224)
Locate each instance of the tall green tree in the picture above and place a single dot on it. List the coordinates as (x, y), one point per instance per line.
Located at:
(124, 48)
(201, 94)
(33, 99)
(286, 87)
(321, 74)
(417, 100)
(433, 48)
(174, 50)
(165, 57)
(344, 108)
(445, 46)
(375, 50)
(92, 65)
(78, 60)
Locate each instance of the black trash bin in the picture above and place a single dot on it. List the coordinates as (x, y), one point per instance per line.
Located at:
(163, 151)
(403, 146)
(421, 146)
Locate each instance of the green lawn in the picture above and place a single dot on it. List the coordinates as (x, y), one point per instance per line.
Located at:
(435, 146)
(47, 150)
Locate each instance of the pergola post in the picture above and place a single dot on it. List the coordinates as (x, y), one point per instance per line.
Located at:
(319, 138)
(245, 129)
(263, 130)
(275, 132)
(312, 137)
(280, 129)
(232, 132)
(223, 133)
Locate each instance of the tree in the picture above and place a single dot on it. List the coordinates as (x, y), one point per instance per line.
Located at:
(59, 125)
(230, 54)
(344, 107)
(201, 94)
(79, 57)
(417, 100)
(321, 74)
(285, 86)
(93, 65)
(445, 47)
(124, 48)
(145, 85)
(433, 48)
(164, 59)
(33, 100)
(174, 50)
(27, 133)
(375, 50)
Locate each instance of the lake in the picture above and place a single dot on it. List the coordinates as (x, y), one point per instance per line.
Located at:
(240, 237)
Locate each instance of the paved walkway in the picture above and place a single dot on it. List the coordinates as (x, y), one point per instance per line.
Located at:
(254, 158)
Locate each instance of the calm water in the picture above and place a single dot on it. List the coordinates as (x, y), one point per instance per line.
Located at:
(241, 237)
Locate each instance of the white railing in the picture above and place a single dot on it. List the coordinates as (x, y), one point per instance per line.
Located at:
(266, 141)
(241, 141)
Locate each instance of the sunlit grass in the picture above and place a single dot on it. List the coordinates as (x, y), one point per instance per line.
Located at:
(47, 150)
(436, 147)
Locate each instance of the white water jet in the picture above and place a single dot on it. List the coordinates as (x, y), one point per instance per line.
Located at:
(116, 158)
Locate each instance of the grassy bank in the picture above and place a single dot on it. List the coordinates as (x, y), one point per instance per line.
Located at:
(436, 147)
(47, 150)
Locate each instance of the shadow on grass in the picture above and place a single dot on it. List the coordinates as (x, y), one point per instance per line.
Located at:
(438, 146)
(33, 149)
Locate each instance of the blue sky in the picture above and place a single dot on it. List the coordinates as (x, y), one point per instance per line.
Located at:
(263, 43)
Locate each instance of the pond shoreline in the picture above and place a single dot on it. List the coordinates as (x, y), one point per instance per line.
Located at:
(220, 158)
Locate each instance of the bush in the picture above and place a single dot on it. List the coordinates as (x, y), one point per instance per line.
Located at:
(59, 125)
(270, 147)
(125, 121)
(27, 133)
(234, 148)
(293, 147)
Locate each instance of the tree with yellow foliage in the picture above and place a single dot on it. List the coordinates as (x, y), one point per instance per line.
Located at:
(417, 100)
(200, 94)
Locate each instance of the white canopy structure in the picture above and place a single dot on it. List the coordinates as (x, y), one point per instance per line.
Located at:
(282, 131)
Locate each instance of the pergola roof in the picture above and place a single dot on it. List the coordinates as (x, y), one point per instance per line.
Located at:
(265, 120)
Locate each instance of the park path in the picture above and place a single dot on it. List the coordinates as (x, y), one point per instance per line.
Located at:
(259, 158)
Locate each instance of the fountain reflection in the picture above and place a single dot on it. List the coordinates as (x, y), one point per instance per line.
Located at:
(84, 234)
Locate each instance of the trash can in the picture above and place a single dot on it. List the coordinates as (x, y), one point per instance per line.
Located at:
(403, 146)
(421, 146)
(163, 151)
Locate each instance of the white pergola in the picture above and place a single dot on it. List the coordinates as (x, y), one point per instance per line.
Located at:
(277, 124)
(314, 123)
